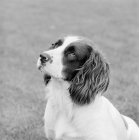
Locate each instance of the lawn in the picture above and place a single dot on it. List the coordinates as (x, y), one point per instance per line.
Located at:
(28, 27)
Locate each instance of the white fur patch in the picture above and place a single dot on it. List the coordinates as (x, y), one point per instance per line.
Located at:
(55, 67)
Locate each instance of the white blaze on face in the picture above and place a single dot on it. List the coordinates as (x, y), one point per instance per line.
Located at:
(54, 68)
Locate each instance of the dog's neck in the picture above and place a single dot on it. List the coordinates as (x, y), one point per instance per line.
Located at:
(58, 91)
(58, 85)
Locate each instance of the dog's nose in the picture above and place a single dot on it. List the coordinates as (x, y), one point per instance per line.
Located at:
(44, 57)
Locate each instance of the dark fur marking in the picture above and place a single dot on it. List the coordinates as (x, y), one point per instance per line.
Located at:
(81, 52)
(88, 72)
(92, 78)
(46, 79)
(57, 44)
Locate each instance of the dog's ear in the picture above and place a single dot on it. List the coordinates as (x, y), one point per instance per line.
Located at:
(46, 79)
(92, 78)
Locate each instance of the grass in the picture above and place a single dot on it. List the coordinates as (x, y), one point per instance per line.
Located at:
(28, 27)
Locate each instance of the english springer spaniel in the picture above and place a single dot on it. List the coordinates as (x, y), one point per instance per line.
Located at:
(76, 75)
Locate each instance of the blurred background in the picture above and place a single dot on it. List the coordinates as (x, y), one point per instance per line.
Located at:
(29, 27)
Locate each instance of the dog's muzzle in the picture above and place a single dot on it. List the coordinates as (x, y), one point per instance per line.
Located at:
(44, 57)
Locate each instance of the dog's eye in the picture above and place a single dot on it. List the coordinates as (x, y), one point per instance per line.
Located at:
(71, 56)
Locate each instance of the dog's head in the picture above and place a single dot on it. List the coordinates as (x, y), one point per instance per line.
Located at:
(76, 60)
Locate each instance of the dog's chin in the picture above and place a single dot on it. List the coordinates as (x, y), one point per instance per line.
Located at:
(42, 69)
(46, 76)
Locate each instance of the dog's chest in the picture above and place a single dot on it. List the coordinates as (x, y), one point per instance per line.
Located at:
(60, 99)
(61, 109)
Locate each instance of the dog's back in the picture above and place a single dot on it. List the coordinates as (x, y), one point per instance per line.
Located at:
(133, 129)
(130, 125)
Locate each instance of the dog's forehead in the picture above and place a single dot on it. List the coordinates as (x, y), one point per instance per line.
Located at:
(62, 43)
(73, 39)
(78, 41)
(70, 39)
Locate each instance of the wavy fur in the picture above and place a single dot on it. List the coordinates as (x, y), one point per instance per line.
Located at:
(92, 78)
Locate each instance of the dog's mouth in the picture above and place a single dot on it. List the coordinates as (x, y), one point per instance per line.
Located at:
(41, 67)
(46, 76)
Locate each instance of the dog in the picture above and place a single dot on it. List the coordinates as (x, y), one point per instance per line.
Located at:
(76, 75)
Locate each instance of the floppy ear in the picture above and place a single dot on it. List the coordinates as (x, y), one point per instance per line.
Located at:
(92, 78)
